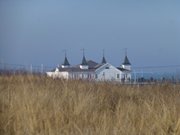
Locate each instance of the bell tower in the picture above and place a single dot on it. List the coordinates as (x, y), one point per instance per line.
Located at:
(66, 62)
(84, 64)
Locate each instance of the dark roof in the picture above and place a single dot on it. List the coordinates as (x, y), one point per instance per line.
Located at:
(84, 62)
(97, 66)
(92, 67)
(103, 60)
(76, 69)
(123, 69)
(91, 64)
(66, 62)
(126, 61)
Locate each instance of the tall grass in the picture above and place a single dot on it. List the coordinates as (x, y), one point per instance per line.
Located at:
(32, 105)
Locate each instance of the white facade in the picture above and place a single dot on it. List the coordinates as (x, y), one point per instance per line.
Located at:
(105, 72)
(58, 74)
(90, 70)
(125, 76)
(84, 67)
(82, 75)
(128, 67)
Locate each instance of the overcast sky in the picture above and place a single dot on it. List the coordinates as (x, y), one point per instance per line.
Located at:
(37, 31)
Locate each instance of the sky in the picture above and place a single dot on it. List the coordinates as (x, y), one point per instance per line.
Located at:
(38, 31)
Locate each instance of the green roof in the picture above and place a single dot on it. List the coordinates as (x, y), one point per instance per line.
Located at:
(126, 61)
(66, 62)
(103, 60)
(84, 62)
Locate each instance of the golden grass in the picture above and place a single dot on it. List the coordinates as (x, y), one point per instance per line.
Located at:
(32, 105)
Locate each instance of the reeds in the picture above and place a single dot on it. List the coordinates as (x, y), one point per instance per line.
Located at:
(34, 105)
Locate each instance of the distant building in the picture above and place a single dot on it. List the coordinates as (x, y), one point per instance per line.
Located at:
(90, 70)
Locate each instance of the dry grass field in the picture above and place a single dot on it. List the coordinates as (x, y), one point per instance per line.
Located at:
(32, 105)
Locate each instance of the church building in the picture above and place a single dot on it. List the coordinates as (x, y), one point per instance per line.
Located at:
(91, 70)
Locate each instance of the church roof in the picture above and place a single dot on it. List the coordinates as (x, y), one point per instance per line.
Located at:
(123, 69)
(91, 64)
(75, 69)
(103, 60)
(84, 62)
(126, 61)
(66, 62)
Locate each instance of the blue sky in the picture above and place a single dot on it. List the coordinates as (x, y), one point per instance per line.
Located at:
(37, 31)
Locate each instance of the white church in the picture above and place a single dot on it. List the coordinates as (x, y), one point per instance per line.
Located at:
(90, 70)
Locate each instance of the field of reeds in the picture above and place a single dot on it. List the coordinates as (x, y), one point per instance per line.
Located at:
(37, 105)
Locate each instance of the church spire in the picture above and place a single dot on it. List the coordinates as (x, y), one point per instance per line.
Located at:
(126, 64)
(84, 64)
(103, 59)
(126, 60)
(66, 62)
